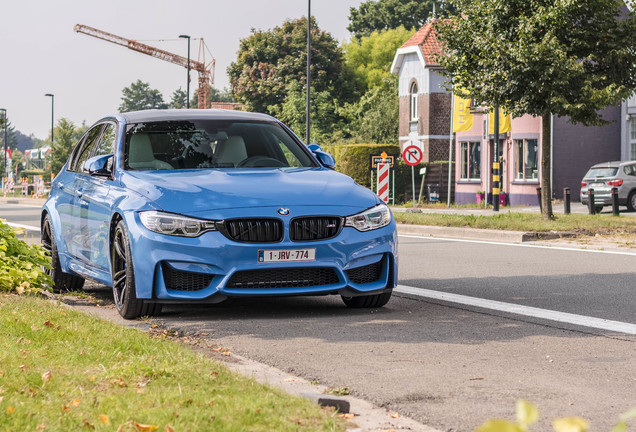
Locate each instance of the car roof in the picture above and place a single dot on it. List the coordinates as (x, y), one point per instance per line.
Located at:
(192, 114)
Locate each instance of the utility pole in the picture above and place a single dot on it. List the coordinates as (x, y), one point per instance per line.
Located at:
(52, 116)
(188, 67)
(308, 109)
(495, 165)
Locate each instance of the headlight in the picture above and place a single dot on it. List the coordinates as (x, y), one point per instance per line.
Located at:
(174, 224)
(373, 218)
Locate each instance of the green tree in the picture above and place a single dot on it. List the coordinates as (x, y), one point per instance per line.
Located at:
(139, 96)
(375, 117)
(66, 136)
(268, 61)
(325, 119)
(377, 15)
(370, 57)
(178, 100)
(542, 57)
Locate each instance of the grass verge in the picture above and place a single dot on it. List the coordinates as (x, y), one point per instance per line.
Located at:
(62, 370)
(576, 223)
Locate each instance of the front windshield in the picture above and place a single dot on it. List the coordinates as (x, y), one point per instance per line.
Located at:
(201, 144)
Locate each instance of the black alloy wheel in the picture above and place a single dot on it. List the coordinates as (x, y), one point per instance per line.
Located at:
(124, 294)
(61, 281)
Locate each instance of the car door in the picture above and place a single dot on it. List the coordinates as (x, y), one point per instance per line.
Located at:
(95, 204)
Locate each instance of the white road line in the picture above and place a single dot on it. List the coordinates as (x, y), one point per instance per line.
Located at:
(26, 227)
(563, 317)
(518, 245)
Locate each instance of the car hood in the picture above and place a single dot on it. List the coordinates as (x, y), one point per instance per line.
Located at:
(192, 191)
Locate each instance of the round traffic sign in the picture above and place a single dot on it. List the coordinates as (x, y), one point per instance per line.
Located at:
(412, 155)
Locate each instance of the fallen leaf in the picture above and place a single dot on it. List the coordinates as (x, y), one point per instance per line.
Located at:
(66, 408)
(75, 402)
(34, 327)
(23, 367)
(1, 374)
(346, 416)
(41, 426)
(20, 339)
(290, 380)
(144, 427)
(227, 353)
(168, 429)
(62, 312)
(394, 415)
(46, 376)
(91, 378)
(49, 324)
(87, 424)
(10, 410)
(104, 419)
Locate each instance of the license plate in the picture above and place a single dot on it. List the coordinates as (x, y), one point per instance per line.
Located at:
(286, 255)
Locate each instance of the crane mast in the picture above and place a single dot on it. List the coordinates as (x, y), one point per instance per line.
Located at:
(206, 72)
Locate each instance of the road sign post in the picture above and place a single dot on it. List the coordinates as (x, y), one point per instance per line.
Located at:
(412, 155)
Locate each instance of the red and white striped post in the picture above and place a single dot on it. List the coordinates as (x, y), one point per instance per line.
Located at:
(383, 181)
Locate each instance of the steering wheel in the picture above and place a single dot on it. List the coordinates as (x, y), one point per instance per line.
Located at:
(260, 161)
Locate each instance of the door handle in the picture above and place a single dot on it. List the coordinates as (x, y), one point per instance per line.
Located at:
(80, 192)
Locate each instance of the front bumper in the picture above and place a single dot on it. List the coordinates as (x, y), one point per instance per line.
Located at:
(212, 267)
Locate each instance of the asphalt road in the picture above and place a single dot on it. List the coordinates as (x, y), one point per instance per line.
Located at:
(447, 364)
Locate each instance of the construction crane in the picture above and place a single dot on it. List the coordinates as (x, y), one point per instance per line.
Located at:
(206, 71)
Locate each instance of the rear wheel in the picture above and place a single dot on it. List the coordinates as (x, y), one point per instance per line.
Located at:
(61, 281)
(368, 301)
(124, 293)
(631, 201)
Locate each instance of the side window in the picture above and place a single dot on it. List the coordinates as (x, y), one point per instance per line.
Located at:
(107, 143)
(89, 145)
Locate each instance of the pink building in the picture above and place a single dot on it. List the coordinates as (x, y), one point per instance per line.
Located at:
(425, 118)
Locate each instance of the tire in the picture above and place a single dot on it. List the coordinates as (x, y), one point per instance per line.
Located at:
(124, 294)
(631, 201)
(368, 301)
(598, 209)
(61, 281)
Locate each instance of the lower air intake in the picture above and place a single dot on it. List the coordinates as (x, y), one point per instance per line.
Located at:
(283, 278)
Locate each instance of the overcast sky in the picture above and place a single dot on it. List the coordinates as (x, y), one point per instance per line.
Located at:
(42, 54)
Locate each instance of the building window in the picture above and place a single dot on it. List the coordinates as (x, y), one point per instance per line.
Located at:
(526, 159)
(632, 138)
(414, 113)
(470, 160)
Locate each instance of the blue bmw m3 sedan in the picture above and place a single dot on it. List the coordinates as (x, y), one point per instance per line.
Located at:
(185, 206)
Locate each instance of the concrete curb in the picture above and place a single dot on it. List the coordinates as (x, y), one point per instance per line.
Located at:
(465, 233)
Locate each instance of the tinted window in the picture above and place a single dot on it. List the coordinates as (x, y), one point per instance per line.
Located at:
(211, 144)
(87, 147)
(630, 170)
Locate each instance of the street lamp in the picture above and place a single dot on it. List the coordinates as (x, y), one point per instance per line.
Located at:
(5, 144)
(52, 109)
(188, 83)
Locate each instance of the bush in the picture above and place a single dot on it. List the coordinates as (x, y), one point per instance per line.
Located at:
(21, 265)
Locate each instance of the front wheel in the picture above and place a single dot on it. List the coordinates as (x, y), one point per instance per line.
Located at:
(124, 294)
(61, 281)
(368, 301)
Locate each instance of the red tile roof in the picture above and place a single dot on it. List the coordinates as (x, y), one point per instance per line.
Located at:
(426, 39)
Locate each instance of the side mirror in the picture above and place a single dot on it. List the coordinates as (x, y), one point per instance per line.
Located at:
(99, 166)
(323, 157)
